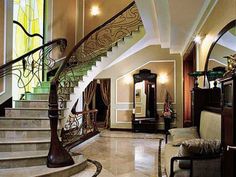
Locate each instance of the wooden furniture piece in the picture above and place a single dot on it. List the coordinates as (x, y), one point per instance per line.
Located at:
(144, 117)
(204, 99)
(229, 125)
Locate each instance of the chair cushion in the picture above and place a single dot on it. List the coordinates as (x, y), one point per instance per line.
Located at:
(181, 134)
(200, 147)
(210, 125)
(197, 147)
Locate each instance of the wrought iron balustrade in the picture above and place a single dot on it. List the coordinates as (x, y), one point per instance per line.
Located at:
(79, 127)
(28, 67)
(94, 45)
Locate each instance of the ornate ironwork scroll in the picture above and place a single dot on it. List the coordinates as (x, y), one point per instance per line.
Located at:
(83, 55)
(28, 68)
(79, 127)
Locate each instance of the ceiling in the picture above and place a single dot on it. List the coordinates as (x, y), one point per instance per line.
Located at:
(173, 23)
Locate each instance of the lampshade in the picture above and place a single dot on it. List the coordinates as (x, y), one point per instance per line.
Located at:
(213, 75)
(196, 74)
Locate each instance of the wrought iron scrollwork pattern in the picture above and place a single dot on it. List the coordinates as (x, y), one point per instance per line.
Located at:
(28, 68)
(84, 54)
(96, 44)
(78, 127)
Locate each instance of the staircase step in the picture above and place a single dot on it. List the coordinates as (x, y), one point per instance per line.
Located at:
(36, 96)
(35, 103)
(43, 96)
(43, 171)
(41, 90)
(45, 84)
(16, 133)
(29, 112)
(22, 159)
(24, 144)
(34, 122)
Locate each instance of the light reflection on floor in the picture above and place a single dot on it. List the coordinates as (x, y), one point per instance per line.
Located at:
(122, 156)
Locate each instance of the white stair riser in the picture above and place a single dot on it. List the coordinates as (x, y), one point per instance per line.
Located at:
(35, 104)
(28, 113)
(14, 163)
(24, 133)
(26, 123)
(24, 147)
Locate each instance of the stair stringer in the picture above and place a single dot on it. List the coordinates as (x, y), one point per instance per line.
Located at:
(121, 47)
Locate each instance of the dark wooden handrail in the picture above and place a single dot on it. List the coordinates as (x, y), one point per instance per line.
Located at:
(63, 65)
(57, 156)
(28, 34)
(58, 41)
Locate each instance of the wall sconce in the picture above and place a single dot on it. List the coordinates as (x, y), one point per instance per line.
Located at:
(128, 79)
(95, 11)
(197, 39)
(163, 78)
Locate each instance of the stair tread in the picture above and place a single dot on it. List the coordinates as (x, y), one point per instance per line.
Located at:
(24, 140)
(24, 129)
(39, 100)
(27, 118)
(43, 170)
(29, 108)
(22, 155)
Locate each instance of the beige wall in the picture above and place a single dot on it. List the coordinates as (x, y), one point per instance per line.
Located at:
(108, 9)
(64, 21)
(156, 59)
(1, 39)
(221, 15)
(125, 90)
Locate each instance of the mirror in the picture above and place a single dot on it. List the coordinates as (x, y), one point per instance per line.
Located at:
(144, 117)
(144, 94)
(144, 99)
(225, 45)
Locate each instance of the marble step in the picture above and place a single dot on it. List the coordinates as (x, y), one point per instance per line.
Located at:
(43, 96)
(24, 144)
(36, 103)
(29, 112)
(29, 122)
(47, 90)
(43, 171)
(22, 159)
(15, 133)
(41, 89)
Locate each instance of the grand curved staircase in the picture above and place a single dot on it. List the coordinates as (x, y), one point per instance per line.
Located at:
(26, 134)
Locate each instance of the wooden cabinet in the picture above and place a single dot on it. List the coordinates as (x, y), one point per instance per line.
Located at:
(229, 126)
(203, 99)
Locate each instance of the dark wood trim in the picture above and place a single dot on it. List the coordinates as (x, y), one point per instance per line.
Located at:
(58, 41)
(220, 34)
(5, 104)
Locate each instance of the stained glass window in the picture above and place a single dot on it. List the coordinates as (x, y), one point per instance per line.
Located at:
(29, 13)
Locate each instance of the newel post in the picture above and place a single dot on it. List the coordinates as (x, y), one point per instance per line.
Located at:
(57, 156)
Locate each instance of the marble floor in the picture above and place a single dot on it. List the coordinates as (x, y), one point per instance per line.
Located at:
(122, 154)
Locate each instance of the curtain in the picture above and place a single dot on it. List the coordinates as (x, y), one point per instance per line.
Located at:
(88, 95)
(105, 93)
